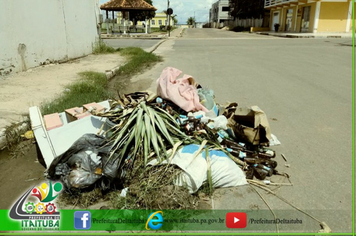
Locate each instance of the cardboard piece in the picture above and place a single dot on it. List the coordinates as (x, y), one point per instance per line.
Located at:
(250, 125)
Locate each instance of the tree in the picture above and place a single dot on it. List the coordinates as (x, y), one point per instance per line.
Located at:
(142, 15)
(191, 21)
(246, 8)
(174, 18)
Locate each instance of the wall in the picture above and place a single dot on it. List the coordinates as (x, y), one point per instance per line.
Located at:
(333, 16)
(216, 15)
(282, 18)
(271, 25)
(223, 15)
(244, 23)
(312, 16)
(36, 31)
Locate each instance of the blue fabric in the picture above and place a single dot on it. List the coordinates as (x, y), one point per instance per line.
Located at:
(192, 148)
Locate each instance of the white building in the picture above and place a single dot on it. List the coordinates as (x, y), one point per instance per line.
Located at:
(219, 12)
(46, 31)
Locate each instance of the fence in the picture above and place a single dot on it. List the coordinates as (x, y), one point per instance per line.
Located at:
(244, 23)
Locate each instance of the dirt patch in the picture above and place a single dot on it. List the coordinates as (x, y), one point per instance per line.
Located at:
(19, 171)
(25, 89)
(154, 189)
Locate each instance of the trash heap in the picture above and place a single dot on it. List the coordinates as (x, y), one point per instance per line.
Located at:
(180, 128)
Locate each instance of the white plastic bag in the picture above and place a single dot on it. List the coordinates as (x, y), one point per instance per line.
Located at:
(224, 171)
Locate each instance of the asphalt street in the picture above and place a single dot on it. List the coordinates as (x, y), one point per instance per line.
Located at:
(305, 88)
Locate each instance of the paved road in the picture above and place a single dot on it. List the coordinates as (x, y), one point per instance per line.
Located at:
(123, 43)
(305, 88)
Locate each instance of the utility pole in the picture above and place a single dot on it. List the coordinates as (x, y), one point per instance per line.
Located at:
(194, 21)
(168, 20)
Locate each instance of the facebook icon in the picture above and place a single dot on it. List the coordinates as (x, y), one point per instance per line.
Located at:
(82, 220)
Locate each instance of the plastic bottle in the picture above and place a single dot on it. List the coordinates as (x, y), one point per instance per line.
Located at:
(238, 154)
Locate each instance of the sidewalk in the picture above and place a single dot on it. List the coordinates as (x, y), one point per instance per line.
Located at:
(25, 89)
(306, 35)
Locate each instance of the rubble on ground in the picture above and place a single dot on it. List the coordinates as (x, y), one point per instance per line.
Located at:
(176, 141)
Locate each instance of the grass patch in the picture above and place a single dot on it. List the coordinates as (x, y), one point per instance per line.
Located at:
(101, 48)
(92, 87)
(153, 30)
(138, 60)
(81, 199)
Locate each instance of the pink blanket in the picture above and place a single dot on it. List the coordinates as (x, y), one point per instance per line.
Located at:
(182, 91)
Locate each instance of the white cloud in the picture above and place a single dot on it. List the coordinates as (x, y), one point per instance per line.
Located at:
(184, 8)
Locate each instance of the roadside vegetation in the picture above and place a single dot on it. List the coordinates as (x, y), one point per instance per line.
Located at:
(162, 29)
(91, 87)
(101, 48)
(94, 86)
(137, 60)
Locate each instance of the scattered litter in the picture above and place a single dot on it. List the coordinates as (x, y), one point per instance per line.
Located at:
(33, 179)
(28, 135)
(284, 158)
(225, 173)
(182, 91)
(267, 182)
(124, 192)
(138, 137)
(274, 141)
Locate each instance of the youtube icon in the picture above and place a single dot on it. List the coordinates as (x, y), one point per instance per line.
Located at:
(237, 220)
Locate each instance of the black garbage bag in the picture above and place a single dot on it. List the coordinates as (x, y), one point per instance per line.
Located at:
(86, 163)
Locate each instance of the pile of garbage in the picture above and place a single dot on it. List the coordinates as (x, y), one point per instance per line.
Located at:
(181, 126)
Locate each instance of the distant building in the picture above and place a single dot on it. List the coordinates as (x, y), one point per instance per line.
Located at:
(199, 24)
(219, 13)
(311, 16)
(159, 19)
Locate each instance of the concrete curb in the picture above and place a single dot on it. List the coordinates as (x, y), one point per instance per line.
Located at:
(153, 37)
(316, 36)
(153, 48)
(111, 73)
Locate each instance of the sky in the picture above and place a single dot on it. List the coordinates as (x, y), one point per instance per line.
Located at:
(183, 8)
